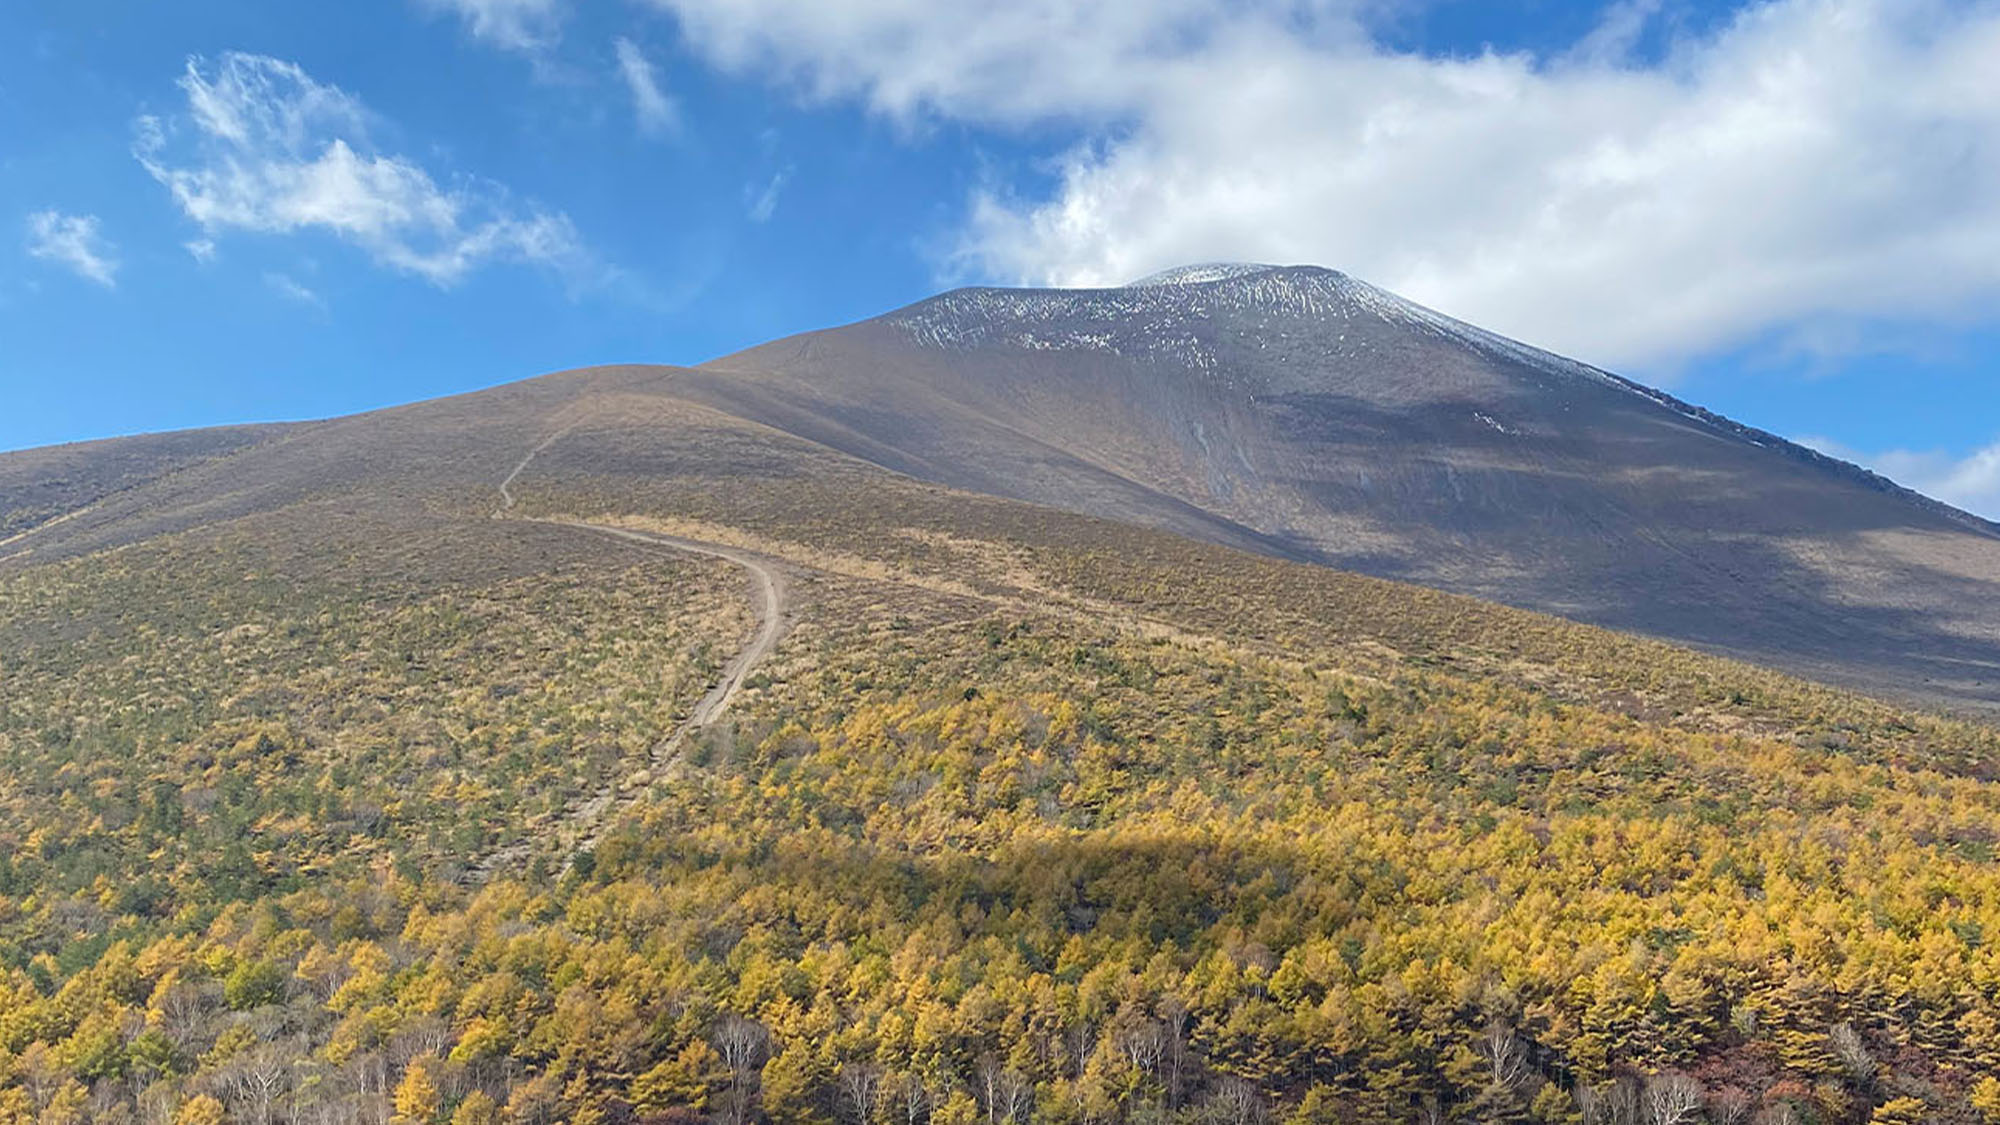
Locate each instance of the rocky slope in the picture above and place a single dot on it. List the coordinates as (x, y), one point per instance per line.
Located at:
(1307, 414)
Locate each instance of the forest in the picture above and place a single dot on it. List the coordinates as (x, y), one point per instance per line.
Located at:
(993, 847)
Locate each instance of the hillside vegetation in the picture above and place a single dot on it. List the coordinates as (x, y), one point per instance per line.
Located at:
(1030, 818)
(40, 485)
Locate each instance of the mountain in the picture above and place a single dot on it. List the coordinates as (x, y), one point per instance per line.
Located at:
(654, 746)
(1290, 411)
(1305, 414)
(1287, 411)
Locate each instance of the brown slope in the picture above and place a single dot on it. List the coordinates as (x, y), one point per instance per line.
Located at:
(1337, 423)
(57, 481)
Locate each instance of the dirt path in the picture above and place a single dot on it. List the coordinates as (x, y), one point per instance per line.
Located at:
(507, 485)
(584, 823)
(771, 609)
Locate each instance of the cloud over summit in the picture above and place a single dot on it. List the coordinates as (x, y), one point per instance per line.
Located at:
(1808, 160)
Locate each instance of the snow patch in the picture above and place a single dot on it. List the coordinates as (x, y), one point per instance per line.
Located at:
(1199, 274)
(1180, 315)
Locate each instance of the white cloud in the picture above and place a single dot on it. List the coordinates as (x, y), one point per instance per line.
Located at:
(1809, 160)
(1618, 31)
(265, 148)
(200, 249)
(1971, 482)
(291, 289)
(764, 204)
(654, 110)
(1016, 63)
(73, 241)
(520, 25)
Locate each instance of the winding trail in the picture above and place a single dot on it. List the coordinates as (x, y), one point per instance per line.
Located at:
(585, 822)
(507, 483)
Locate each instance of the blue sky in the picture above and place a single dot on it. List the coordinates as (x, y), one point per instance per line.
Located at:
(213, 212)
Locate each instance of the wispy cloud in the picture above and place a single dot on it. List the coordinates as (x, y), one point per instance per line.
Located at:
(265, 148)
(200, 249)
(75, 242)
(518, 25)
(1617, 33)
(764, 204)
(291, 289)
(651, 106)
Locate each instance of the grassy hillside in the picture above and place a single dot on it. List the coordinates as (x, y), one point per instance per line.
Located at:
(1029, 817)
(39, 485)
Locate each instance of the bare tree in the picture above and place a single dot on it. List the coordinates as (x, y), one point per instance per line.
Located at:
(986, 1083)
(327, 976)
(1506, 1056)
(158, 1103)
(1078, 1043)
(108, 1105)
(1590, 1107)
(741, 1042)
(255, 1079)
(1731, 1105)
(1672, 1099)
(365, 1077)
(424, 1035)
(1143, 1047)
(1006, 1093)
(942, 1084)
(313, 1099)
(185, 1010)
(1174, 1020)
(913, 1098)
(1017, 1096)
(860, 1089)
(1238, 1102)
(1852, 1053)
(537, 1101)
(733, 1107)
(1615, 1103)
(1780, 1114)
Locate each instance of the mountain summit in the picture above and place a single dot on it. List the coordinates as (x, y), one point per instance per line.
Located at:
(1302, 412)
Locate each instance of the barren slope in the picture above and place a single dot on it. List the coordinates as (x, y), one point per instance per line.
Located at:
(1306, 414)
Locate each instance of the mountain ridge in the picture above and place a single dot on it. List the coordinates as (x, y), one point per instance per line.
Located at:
(1216, 274)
